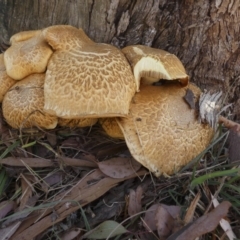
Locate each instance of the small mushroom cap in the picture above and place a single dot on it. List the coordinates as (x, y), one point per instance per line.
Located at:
(29, 53)
(85, 79)
(150, 65)
(111, 127)
(73, 123)
(161, 131)
(23, 104)
(5, 81)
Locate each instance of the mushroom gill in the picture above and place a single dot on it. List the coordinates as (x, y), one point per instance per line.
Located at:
(23, 104)
(5, 81)
(29, 53)
(149, 65)
(161, 131)
(85, 79)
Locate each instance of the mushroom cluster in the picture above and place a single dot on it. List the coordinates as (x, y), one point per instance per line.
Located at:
(58, 75)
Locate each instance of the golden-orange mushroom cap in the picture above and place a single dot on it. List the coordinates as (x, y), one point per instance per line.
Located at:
(111, 127)
(29, 53)
(85, 79)
(23, 104)
(161, 131)
(73, 123)
(5, 81)
(150, 65)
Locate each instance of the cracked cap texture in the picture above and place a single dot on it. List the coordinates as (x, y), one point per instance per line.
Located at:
(29, 53)
(23, 104)
(85, 79)
(161, 131)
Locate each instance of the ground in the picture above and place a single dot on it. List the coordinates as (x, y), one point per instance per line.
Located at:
(52, 185)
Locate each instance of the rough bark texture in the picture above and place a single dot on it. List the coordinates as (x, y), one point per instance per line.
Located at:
(205, 35)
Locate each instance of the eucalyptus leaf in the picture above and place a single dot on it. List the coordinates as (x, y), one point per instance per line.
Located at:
(106, 229)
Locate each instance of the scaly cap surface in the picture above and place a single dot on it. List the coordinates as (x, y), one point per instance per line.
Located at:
(161, 131)
(29, 53)
(23, 104)
(85, 79)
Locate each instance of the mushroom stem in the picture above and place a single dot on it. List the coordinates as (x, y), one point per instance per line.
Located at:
(228, 123)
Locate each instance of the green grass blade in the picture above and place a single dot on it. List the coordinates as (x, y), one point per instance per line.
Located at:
(202, 179)
(9, 149)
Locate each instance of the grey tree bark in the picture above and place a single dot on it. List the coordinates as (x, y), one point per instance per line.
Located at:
(203, 34)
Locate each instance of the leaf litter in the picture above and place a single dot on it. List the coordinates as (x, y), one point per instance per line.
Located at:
(70, 183)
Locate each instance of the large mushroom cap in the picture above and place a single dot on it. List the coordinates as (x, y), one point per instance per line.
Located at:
(150, 65)
(29, 53)
(23, 104)
(85, 79)
(5, 81)
(161, 130)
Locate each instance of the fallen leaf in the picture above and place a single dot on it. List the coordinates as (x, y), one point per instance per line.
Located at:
(42, 162)
(224, 223)
(191, 210)
(135, 197)
(5, 208)
(70, 234)
(164, 222)
(21, 214)
(155, 216)
(22, 162)
(91, 187)
(202, 225)
(53, 178)
(27, 190)
(7, 232)
(105, 230)
(149, 221)
(173, 210)
(119, 167)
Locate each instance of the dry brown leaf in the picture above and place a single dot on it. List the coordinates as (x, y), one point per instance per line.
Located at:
(119, 167)
(6, 207)
(173, 210)
(202, 225)
(87, 161)
(7, 232)
(191, 210)
(149, 221)
(31, 162)
(135, 197)
(224, 223)
(85, 191)
(160, 219)
(70, 234)
(26, 191)
(22, 213)
(164, 222)
(53, 178)
(42, 162)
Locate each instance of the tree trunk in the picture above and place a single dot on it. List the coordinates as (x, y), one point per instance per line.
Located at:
(205, 35)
